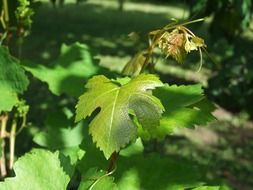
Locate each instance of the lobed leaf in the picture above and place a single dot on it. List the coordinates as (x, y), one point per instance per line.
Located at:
(40, 170)
(112, 128)
(73, 67)
(185, 107)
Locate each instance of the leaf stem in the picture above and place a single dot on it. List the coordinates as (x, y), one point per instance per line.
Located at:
(112, 162)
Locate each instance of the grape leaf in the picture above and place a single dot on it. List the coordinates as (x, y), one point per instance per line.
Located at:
(73, 67)
(13, 80)
(146, 171)
(40, 170)
(155, 172)
(97, 180)
(185, 106)
(60, 134)
(112, 128)
(59, 137)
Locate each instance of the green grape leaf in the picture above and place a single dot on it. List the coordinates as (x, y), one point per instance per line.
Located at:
(59, 137)
(141, 172)
(40, 170)
(97, 180)
(13, 80)
(185, 107)
(112, 128)
(70, 71)
(134, 148)
(8, 98)
(59, 134)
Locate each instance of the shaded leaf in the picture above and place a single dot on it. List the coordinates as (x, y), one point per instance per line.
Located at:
(185, 106)
(97, 180)
(70, 71)
(59, 137)
(155, 172)
(13, 80)
(40, 170)
(112, 128)
(136, 170)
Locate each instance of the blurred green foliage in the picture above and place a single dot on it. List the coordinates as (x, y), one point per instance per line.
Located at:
(231, 84)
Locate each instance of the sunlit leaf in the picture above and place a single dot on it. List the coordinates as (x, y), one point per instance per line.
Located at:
(112, 128)
(13, 80)
(40, 170)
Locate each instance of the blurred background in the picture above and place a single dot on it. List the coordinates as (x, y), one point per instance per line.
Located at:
(225, 146)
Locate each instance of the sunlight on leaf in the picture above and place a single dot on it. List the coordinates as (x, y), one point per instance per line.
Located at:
(70, 71)
(40, 170)
(112, 128)
(13, 80)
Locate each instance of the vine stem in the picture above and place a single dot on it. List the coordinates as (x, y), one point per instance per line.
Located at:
(3, 119)
(6, 11)
(12, 143)
(112, 163)
(5, 15)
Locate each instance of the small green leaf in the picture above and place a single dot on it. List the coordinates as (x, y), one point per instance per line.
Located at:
(13, 80)
(97, 180)
(134, 148)
(70, 71)
(8, 98)
(112, 128)
(40, 170)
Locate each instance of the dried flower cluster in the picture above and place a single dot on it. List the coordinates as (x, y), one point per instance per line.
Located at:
(179, 42)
